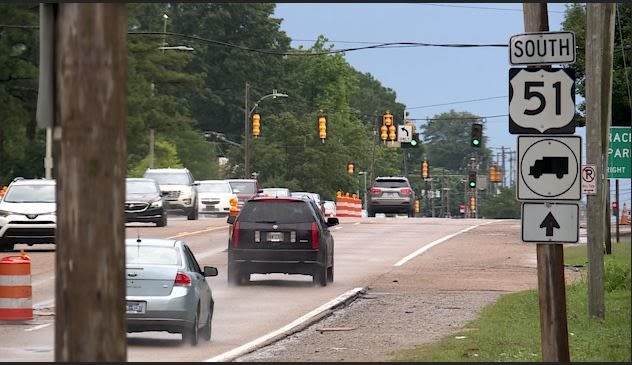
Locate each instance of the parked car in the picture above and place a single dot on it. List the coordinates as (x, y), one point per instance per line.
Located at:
(144, 202)
(391, 194)
(215, 196)
(329, 208)
(244, 189)
(167, 290)
(275, 192)
(280, 235)
(28, 213)
(180, 189)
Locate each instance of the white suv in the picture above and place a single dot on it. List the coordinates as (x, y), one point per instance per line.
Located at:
(180, 190)
(27, 213)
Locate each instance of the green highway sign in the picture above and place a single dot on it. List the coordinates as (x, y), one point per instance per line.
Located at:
(619, 158)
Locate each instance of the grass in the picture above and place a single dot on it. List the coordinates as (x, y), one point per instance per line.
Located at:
(509, 330)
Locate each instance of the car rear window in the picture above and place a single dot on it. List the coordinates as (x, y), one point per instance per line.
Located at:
(390, 183)
(151, 255)
(276, 211)
(243, 187)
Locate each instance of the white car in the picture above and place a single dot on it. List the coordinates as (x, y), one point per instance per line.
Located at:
(179, 188)
(215, 196)
(27, 213)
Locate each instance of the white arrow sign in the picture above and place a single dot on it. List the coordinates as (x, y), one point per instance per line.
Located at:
(548, 168)
(550, 222)
(541, 101)
(404, 133)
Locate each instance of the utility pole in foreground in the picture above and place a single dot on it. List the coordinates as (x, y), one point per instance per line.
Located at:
(90, 104)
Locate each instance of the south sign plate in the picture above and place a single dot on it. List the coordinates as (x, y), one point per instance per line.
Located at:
(549, 168)
(541, 101)
(550, 222)
(542, 48)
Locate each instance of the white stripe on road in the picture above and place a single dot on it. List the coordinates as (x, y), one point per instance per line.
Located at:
(38, 327)
(434, 243)
(184, 234)
(253, 345)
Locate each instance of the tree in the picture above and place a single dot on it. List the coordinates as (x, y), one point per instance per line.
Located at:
(503, 205)
(575, 21)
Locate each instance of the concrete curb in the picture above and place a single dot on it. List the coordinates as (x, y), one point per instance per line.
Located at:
(293, 327)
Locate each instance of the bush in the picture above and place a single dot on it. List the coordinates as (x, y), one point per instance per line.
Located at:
(617, 276)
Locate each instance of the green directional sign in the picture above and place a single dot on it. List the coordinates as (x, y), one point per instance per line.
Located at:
(619, 158)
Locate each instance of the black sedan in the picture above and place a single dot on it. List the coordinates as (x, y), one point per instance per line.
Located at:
(281, 235)
(144, 202)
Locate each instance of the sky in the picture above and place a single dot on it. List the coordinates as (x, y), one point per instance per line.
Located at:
(425, 76)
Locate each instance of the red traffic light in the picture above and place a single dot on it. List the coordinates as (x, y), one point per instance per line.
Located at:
(615, 205)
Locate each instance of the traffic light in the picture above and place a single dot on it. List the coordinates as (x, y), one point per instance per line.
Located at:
(387, 119)
(424, 169)
(322, 128)
(471, 180)
(350, 168)
(383, 133)
(615, 208)
(414, 142)
(416, 206)
(472, 203)
(391, 133)
(477, 135)
(494, 174)
(256, 125)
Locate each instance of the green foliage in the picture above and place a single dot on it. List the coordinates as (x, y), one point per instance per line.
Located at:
(165, 155)
(504, 205)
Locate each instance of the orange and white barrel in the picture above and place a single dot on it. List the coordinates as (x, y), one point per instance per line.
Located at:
(348, 207)
(16, 294)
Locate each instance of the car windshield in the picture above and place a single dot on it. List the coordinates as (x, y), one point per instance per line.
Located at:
(151, 255)
(243, 187)
(214, 187)
(168, 178)
(140, 187)
(390, 184)
(36, 193)
(276, 211)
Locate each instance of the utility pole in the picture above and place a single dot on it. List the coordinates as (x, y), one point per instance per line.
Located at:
(246, 133)
(91, 106)
(151, 148)
(599, 54)
(377, 121)
(511, 159)
(550, 257)
(502, 181)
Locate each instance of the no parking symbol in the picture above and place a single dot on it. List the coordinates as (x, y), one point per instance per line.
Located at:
(589, 182)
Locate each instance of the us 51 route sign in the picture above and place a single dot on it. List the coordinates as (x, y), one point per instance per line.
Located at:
(541, 101)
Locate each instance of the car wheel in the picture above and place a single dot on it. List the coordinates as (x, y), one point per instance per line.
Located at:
(234, 277)
(163, 221)
(206, 330)
(192, 216)
(320, 276)
(7, 247)
(190, 335)
(371, 213)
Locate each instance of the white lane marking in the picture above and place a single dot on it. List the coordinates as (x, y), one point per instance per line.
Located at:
(44, 304)
(252, 345)
(38, 327)
(434, 243)
(337, 228)
(184, 234)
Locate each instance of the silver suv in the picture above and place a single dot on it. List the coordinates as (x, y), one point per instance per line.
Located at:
(179, 188)
(391, 194)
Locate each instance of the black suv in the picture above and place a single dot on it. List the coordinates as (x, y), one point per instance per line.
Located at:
(281, 235)
(391, 194)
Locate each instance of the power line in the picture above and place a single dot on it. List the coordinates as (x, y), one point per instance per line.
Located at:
(458, 102)
(485, 8)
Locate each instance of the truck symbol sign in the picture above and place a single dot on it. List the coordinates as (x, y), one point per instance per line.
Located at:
(550, 165)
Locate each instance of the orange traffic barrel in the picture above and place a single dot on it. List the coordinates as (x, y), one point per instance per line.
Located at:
(16, 301)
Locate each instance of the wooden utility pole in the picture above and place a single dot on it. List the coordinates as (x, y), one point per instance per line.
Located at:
(91, 99)
(247, 133)
(599, 52)
(550, 257)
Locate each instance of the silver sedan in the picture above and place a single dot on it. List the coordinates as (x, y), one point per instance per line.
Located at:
(167, 290)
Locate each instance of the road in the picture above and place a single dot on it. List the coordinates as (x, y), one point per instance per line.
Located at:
(365, 249)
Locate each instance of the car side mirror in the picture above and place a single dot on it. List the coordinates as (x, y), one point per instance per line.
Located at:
(164, 193)
(332, 221)
(210, 271)
(196, 184)
(231, 219)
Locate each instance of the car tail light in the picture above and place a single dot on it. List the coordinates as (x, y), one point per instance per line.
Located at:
(182, 279)
(236, 235)
(406, 191)
(293, 237)
(314, 236)
(375, 190)
(257, 236)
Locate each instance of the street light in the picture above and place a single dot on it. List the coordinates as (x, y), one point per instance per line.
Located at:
(248, 114)
(364, 173)
(164, 31)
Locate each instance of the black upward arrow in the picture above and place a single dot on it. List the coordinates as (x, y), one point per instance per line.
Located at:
(549, 222)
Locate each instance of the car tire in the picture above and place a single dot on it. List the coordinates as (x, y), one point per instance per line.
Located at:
(163, 220)
(190, 335)
(320, 276)
(330, 273)
(233, 274)
(370, 212)
(206, 330)
(6, 247)
(193, 214)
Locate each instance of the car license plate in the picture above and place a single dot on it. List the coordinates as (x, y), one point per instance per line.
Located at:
(135, 307)
(390, 195)
(275, 236)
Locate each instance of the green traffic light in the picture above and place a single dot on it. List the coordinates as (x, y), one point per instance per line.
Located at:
(413, 143)
(472, 184)
(476, 142)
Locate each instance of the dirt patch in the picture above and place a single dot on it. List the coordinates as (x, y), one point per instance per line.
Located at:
(431, 296)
